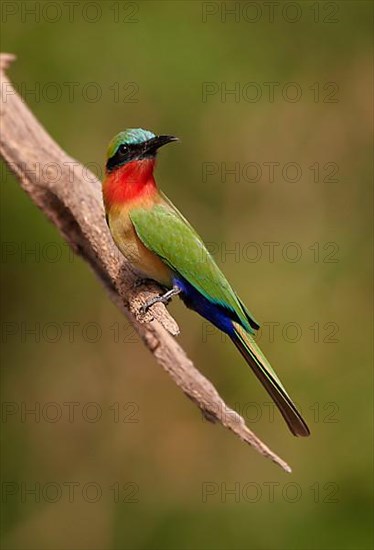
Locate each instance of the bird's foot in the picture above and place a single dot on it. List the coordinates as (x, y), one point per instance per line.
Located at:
(163, 299)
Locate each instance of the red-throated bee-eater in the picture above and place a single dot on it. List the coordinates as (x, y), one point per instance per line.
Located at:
(161, 245)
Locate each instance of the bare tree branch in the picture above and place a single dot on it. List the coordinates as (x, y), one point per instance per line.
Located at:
(73, 202)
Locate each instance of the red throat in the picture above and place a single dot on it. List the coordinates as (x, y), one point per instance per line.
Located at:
(129, 182)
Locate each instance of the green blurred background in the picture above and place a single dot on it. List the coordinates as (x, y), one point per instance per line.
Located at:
(159, 476)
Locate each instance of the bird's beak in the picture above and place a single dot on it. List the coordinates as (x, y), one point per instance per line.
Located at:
(155, 143)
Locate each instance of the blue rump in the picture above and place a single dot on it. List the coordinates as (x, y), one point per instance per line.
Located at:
(217, 314)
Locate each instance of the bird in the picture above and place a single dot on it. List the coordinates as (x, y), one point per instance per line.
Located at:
(162, 246)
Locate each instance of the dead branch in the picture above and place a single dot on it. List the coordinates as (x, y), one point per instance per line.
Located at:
(73, 203)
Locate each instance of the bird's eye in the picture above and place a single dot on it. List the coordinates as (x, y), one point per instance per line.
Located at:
(123, 149)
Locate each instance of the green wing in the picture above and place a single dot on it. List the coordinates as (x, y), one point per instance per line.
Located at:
(168, 234)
